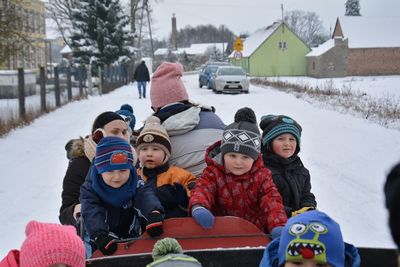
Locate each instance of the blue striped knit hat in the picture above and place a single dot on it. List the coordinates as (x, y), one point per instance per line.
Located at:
(275, 125)
(113, 153)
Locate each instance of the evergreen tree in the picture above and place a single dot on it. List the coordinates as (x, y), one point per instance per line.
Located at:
(352, 8)
(99, 32)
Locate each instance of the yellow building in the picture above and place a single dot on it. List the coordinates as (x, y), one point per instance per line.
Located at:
(31, 53)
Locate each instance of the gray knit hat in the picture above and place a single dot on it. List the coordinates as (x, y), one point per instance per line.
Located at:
(242, 136)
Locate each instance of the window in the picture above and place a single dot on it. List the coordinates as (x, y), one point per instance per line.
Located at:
(313, 65)
(282, 45)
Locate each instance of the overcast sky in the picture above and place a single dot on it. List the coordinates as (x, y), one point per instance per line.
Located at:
(249, 15)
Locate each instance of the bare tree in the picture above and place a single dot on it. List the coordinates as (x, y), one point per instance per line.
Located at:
(60, 11)
(307, 25)
(13, 30)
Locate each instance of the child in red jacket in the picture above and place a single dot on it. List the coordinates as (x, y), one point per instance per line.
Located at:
(235, 181)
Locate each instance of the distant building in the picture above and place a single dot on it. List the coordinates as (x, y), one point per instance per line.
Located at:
(194, 49)
(27, 55)
(359, 46)
(273, 51)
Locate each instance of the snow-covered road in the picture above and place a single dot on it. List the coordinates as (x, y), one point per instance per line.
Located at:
(348, 158)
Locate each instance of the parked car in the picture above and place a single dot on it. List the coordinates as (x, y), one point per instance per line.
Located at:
(230, 79)
(206, 75)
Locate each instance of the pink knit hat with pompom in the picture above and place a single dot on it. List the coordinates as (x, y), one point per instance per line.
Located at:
(49, 243)
(167, 86)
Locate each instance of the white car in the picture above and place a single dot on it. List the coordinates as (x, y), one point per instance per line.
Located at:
(230, 79)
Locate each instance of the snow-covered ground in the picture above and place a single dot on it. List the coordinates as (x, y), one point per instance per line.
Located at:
(374, 86)
(348, 158)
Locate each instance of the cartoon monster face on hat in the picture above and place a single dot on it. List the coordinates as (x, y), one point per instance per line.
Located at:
(303, 248)
(314, 236)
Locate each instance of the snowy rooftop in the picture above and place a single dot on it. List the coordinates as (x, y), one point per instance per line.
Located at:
(256, 39)
(367, 32)
(198, 49)
(322, 48)
(194, 49)
(66, 49)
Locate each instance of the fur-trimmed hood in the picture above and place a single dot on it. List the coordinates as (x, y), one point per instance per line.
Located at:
(81, 147)
(75, 148)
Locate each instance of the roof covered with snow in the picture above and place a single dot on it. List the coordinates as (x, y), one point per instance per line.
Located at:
(66, 49)
(194, 49)
(368, 32)
(256, 39)
(322, 48)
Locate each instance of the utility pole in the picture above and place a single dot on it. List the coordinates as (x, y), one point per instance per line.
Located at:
(283, 22)
(223, 44)
(133, 16)
(140, 31)
(148, 22)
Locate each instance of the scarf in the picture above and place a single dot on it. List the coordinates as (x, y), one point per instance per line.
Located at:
(116, 197)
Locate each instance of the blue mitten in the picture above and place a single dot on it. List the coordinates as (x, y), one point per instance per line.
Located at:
(203, 216)
(276, 232)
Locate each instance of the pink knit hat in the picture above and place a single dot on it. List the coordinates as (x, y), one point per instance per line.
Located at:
(166, 85)
(49, 243)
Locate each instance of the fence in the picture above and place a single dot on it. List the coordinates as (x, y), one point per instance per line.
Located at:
(62, 85)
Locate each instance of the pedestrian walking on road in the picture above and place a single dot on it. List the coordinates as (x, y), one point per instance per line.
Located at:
(142, 76)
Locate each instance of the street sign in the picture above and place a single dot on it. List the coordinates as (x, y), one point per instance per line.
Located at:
(238, 45)
(238, 55)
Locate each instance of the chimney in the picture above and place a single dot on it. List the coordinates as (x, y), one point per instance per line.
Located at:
(174, 33)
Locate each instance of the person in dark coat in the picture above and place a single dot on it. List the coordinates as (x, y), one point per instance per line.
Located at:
(392, 199)
(142, 76)
(280, 148)
(115, 202)
(80, 153)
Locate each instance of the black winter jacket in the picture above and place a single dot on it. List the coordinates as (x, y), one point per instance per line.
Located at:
(141, 73)
(78, 168)
(292, 180)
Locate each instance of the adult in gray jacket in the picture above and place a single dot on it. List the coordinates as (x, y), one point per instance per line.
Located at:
(191, 127)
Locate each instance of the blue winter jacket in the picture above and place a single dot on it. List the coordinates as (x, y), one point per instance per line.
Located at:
(270, 256)
(102, 218)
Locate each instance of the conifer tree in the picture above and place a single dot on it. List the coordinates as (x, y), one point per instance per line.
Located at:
(352, 8)
(99, 34)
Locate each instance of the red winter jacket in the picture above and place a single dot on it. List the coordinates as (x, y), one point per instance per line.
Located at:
(252, 196)
(11, 260)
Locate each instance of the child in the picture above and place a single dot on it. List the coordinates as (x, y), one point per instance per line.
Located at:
(235, 181)
(168, 252)
(48, 244)
(310, 239)
(280, 148)
(172, 184)
(110, 194)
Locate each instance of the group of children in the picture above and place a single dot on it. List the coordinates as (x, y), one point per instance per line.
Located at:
(252, 175)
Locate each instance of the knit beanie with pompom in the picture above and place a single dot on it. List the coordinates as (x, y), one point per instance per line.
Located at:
(167, 253)
(242, 136)
(126, 112)
(47, 244)
(154, 134)
(166, 85)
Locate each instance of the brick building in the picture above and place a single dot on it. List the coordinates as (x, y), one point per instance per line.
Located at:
(359, 46)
